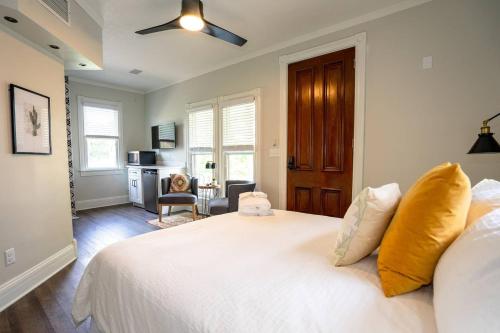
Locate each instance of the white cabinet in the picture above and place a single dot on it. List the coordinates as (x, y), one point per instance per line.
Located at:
(135, 186)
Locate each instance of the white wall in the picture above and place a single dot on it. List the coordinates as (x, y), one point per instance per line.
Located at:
(95, 190)
(35, 211)
(415, 118)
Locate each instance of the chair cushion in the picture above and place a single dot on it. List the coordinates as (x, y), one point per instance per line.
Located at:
(180, 183)
(218, 206)
(177, 198)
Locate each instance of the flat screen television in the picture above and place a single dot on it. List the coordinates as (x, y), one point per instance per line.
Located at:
(163, 136)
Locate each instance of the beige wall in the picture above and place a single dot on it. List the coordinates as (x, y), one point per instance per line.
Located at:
(35, 213)
(415, 118)
(99, 187)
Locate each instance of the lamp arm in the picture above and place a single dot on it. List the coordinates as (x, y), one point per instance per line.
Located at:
(490, 119)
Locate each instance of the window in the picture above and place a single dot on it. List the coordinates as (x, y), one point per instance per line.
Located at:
(224, 130)
(238, 138)
(100, 135)
(201, 142)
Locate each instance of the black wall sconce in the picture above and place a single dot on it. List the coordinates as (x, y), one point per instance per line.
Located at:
(485, 142)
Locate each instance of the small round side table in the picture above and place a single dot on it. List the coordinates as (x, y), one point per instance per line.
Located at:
(208, 192)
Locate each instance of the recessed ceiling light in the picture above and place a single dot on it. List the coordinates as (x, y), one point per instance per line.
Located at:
(53, 46)
(10, 19)
(135, 71)
(82, 64)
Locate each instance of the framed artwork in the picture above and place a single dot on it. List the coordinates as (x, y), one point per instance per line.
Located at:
(30, 122)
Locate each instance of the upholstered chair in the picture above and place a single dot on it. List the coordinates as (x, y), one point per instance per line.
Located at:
(178, 198)
(230, 202)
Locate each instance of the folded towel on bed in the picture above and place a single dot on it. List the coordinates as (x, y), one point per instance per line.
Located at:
(254, 204)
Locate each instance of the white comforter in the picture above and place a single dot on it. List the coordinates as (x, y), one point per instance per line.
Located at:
(234, 273)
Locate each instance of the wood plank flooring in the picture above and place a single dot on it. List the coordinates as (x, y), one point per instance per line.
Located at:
(48, 307)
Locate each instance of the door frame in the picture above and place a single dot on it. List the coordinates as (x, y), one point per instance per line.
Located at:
(357, 41)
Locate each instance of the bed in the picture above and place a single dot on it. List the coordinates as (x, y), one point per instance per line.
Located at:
(232, 273)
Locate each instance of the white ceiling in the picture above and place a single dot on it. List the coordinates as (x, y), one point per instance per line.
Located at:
(172, 56)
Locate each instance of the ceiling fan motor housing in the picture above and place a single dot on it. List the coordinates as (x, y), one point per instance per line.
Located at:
(192, 7)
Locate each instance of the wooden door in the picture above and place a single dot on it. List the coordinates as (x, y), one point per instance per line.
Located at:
(320, 134)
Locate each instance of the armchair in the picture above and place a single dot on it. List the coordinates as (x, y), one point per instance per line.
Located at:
(230, 202)
(178, 198)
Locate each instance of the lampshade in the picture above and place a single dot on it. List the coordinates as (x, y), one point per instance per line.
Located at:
(485, 143)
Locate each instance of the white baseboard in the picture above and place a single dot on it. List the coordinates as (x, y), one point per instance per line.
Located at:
(101, 202)
(22, 284)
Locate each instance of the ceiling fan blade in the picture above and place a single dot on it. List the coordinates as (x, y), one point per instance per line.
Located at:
(174, 24)
(218, 32)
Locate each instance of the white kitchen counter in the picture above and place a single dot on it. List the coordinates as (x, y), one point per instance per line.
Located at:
(156, 167)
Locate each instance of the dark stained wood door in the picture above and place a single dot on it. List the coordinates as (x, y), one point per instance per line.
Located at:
(320, 134)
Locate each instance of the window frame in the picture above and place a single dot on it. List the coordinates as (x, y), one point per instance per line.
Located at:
(217, 104)
(84, 170)
(194, 107)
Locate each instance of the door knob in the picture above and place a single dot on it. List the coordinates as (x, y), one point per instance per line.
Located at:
(291, 163)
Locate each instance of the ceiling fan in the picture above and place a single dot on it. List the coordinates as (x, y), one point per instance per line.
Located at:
(192, 19)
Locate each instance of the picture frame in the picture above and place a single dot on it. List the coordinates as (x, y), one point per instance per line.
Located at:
(30, 115)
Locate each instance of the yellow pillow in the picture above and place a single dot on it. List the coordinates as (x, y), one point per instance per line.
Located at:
(430, 216)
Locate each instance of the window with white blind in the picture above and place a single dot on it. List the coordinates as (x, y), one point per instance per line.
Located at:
(100, 135)
(224, 130)
(201, 142)
(238, 139)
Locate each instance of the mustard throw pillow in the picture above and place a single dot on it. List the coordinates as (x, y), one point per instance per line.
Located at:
(430, 216)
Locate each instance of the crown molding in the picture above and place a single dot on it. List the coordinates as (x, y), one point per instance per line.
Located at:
(91, 11)
(407, 4)
(104, 85)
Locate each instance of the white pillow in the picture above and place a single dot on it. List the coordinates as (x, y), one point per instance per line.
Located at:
(485, 198)
(467, 280)
(365, 223)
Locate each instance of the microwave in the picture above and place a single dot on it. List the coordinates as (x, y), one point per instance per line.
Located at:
(141, 157)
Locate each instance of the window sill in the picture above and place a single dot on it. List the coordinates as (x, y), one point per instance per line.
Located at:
(90, 173)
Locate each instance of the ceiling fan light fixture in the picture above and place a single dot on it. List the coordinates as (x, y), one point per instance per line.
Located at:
(192, 22)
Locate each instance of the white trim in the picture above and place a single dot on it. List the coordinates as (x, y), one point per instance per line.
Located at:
(398, 7)
(91, 11)
(84, 171)
(359, 42)
(104, 85)
(102, 202)
(22, 284)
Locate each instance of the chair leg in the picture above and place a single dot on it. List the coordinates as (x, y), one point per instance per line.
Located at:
(160, 212)
(168, 210)
(197, 211)
(194, 212)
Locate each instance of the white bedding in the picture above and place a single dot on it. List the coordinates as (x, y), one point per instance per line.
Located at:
(234, 273)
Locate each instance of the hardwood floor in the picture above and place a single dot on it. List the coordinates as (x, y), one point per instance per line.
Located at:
(48, 307)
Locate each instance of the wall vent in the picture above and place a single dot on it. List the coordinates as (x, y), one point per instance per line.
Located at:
(59, 8)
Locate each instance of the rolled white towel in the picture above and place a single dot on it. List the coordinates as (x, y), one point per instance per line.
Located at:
(254, 203)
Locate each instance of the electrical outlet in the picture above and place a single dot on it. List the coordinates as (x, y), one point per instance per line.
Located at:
(10, 256)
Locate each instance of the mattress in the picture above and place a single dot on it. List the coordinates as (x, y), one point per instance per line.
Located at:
(232, 273)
